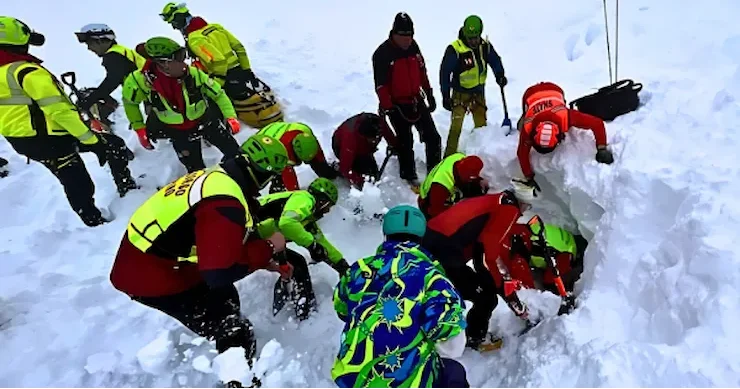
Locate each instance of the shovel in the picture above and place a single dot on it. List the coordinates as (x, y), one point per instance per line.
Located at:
(69, 79)
(282, 290)
(507, 121)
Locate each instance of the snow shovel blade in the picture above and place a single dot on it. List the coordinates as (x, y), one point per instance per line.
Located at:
(280, 295)
(507, 124)
(567, 304)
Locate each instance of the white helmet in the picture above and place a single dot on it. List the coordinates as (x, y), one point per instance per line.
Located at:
(523, 192)
(95, 31)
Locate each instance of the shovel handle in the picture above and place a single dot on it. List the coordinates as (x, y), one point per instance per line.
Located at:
(69, 79)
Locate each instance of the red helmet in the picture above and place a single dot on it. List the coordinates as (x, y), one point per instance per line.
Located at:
(468, 168)
(547, 135)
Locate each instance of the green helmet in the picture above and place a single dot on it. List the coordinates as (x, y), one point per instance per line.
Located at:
(266, 153)
(325, 187)
(161, 47)
(404, 219)
(473, 26)
(306, 146)
(171, 9)
(13, 32)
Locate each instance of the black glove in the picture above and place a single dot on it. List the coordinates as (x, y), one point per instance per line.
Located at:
(447, 103)
(85, 104)
(430, 99)
(317, 251)
(604, 156)
(501, 80)
(276, 185)
(340, 266)
(390, 150)
(249, 75)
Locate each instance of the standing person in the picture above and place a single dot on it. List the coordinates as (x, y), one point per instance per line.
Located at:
(464, 69)
(303, 147)
(401, 82)
(41, 123)
(403, 319)
(355, 141)
(209, 212)
(544, 123)
(476, 229)
(179, 95)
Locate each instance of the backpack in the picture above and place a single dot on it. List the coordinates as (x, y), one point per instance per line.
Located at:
(610, 101)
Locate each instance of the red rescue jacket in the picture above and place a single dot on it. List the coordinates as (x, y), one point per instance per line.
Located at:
(399, 74)
(348, 143)
(546, 102)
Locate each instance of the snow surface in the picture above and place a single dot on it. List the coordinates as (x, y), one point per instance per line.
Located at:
(658, 300)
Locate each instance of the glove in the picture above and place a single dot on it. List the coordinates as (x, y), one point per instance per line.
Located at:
(276, 185)
(447, 103)
(501, 80)
(249, 75)
(317, 251)
(341, 266)
(604, 155)
(285, 270)
(390, 150)
(430, 99)
(234, 125)
(144, 139)
(533, 184)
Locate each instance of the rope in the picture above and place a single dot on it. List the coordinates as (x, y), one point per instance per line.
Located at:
(608, 46)
(616, 48)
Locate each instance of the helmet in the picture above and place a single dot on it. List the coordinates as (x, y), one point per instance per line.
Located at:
(523, 192)
(547, 135)
(472, 27)
(404, 219)
(266, 153)
(325, 187)
(171, 9)
(161, 47)
(305, 146)
(95, 31)
(13, 32)
(468, 168)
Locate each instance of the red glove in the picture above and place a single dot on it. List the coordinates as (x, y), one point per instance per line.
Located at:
(144, 139)
(235, 125)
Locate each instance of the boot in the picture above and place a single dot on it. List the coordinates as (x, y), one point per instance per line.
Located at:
(125, 184)
(91, 217)
(489, 342)
(3, 167)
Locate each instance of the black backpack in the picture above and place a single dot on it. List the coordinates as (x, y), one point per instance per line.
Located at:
(610, 101)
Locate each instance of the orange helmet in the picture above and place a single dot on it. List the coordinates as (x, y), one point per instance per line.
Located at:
(547, 135)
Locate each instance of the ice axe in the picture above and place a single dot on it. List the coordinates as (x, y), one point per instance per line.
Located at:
(507, 121)
(568, 301)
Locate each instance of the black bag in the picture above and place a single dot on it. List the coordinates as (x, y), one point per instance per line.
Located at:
(610, 101)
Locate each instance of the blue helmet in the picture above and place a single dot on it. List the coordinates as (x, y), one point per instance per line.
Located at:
(404, 219)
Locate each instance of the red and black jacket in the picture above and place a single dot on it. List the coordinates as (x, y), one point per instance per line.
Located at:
(349, 143)
(399, 74)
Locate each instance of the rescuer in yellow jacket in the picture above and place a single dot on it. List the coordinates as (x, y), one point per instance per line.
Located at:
(181, 97)
(41, 123)
(220, 52)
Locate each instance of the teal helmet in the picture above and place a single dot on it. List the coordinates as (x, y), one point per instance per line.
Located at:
(404, 219)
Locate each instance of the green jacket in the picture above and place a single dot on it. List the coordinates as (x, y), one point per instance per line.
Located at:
(294, 212)
(196, 87)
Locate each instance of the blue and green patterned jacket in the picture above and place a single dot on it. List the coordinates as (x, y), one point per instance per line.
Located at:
(396, 306)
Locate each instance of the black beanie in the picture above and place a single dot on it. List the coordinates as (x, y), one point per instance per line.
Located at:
(403, 25)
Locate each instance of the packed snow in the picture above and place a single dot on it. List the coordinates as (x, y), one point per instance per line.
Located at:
(658, 299)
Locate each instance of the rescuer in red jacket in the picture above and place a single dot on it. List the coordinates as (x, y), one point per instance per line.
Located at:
(546, 120)
(476, 229)
(355, 142)
(401, 82)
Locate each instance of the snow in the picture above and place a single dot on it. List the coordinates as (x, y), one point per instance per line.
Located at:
(658, 299)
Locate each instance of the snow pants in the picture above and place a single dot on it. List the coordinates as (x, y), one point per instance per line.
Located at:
(462, 103)
(403, 117)
(452, 375)
(213, 313)
(188, 146)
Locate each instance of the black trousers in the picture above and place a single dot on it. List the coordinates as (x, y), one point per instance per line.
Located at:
(476, 286)
(116, 154)
(416, 115)
(78, 186)
(211, 313)
(452, 375)
(188, 146)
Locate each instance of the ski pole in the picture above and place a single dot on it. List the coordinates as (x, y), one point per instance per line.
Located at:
(507, 121)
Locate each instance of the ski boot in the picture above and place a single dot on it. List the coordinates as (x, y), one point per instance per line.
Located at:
(3, 168)
(487, 343)
(92, 217)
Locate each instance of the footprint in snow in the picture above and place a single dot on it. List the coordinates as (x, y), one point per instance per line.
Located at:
(593, 32)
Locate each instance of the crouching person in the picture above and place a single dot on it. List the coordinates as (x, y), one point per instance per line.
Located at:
(404, 320)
